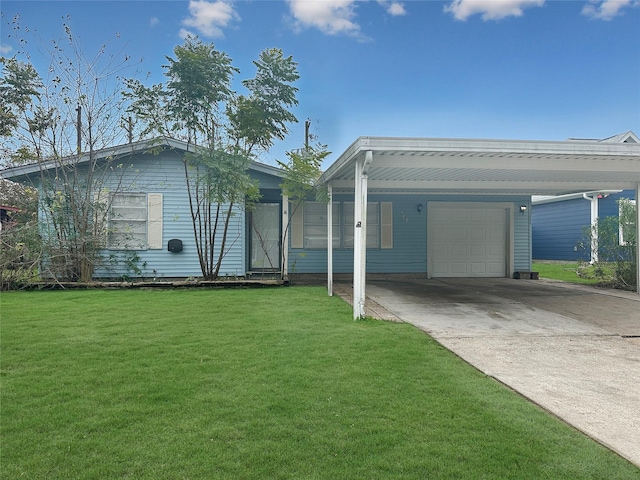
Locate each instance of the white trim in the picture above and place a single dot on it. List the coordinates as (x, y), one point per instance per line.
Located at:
(330, 241)
(540, 200)
(283, 240)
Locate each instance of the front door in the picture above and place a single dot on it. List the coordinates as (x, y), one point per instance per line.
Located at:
(265, 237)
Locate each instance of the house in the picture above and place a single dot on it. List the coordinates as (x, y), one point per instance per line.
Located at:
(149, 214)
(423, 206)
(559, 222)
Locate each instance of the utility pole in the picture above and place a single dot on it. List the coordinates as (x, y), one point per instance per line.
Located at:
(307, 124)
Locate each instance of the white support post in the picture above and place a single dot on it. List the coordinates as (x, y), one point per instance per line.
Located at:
(638, 238)
(284, 244)
(357, 241)
(594, 226)
(330, 241)
(360, 235)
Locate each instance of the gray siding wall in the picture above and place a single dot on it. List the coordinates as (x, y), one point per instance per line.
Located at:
(409, 252)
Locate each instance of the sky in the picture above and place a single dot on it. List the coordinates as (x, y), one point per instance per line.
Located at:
(499, 69)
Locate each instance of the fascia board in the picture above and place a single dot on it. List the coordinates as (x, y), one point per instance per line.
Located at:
(481, 147)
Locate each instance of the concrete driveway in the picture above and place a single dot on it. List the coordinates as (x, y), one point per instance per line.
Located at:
(573, 350)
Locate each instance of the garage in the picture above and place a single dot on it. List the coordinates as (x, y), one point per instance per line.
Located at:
(468, 240)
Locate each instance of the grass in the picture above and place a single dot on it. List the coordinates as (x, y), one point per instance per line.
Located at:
(574, 272)
(254, 384)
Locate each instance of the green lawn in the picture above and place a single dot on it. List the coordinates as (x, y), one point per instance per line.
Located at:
(257, 384)
(570, 272)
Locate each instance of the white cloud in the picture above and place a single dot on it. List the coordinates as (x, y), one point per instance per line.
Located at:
(335, 17)
(393, 8)
(332, 17)
(490, 9)
(153, 21)
(4, 49)
(607, 9)
(209, 18)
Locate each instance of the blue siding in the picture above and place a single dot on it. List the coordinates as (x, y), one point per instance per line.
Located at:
(164, 174)
(558, 227)
(608, 206)
(558, 230)
(522, 235)
(409, 252)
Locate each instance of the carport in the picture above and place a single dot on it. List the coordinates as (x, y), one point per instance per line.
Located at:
(455, 167)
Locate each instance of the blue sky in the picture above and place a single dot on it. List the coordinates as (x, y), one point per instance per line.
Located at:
(512, 69)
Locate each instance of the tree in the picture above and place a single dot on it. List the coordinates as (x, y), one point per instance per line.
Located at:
(224, 131)
(302, 171)
(60, 122)
(616, 241)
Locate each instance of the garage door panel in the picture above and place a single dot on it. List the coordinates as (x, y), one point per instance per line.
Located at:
(468, 240)
(459, 268)
(496, 269)
(495, 216)
(478, 234)
(458, 232)
(478, 268)
(477, 215)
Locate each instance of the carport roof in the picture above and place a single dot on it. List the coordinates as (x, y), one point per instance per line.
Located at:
(503, 167)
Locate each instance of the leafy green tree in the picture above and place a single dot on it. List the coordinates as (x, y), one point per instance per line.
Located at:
(225, 131)
(302, 170)
(616, 240)
(59, 121)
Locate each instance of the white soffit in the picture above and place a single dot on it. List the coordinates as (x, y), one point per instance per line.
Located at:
(454, 166)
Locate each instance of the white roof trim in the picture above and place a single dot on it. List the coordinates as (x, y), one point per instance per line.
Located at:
(411, 165)
(124, 150)
(542, 199)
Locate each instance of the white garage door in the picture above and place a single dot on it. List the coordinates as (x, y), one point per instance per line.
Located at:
(467, 240)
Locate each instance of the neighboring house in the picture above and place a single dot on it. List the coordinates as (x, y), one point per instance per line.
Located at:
(6, 216)
(559, 222)
(151, 206)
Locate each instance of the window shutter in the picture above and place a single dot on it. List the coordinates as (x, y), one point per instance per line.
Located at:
(154, 218)
(297, 226)
(386, 225)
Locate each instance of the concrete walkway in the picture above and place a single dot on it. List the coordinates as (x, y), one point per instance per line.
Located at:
(573, 350)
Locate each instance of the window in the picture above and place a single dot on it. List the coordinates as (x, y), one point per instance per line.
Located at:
(309, 225)
(135, 221)
(627, 216)
(315, 225)
(373, 224)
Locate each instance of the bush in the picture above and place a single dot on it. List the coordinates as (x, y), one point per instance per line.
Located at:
(616, 245)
